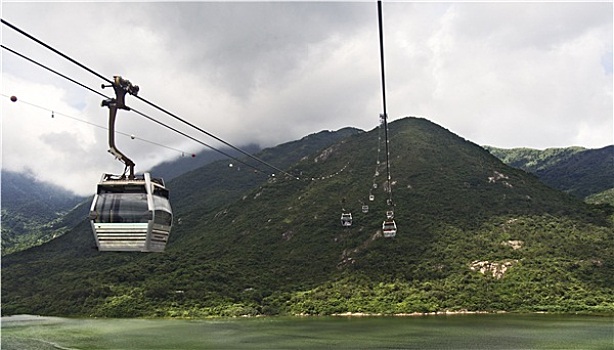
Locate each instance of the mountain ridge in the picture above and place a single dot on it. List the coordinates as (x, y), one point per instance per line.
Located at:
(579, 171)
(276, 246)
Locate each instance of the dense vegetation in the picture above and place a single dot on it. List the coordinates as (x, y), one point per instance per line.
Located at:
(579, 171)
(32, 211)
(606, 196)
(533, 160)
(474, 234)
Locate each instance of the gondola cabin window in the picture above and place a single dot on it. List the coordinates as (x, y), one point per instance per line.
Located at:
(126, 204)
(162, 214)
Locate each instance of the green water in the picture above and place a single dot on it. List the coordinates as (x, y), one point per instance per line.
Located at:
(501, 331)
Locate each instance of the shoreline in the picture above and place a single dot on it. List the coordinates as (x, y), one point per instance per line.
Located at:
(15, 319)
(414, 314)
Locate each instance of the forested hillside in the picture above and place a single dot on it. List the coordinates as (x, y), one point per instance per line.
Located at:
(579, 171)
(32, 211)
(473, 234)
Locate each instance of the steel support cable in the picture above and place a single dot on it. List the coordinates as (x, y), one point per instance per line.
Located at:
(140, 113)
(54, 50)
(218, 139)
(214, 137)
(145, 101)
(136, 111)
(56, 113)
(381, 46)
(53, 71)
(195, 140)
(65, 77)
(378, 162)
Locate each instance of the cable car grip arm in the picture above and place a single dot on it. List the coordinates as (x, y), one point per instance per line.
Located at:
(121, 87)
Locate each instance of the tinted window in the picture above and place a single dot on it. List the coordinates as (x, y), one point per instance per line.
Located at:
(122, 208)
(132, 188)
(163, 218)
(164, 213)
(162, 192)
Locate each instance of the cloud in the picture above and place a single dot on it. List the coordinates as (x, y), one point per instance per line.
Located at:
(54, 148)
(503, 74)
(497, 80)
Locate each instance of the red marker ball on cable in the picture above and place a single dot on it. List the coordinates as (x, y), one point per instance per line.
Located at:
(14, 98)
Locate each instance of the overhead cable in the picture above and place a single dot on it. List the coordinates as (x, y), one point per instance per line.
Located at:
(385, 116)
(132, 109)
(54, 50)
(53, 71)
(195, 140)
(146, 101)
(215, 137)
(56, 113)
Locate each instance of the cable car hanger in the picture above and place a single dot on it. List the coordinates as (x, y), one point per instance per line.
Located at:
(121, 87)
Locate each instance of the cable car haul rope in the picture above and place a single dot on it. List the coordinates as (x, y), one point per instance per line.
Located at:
(389, 227)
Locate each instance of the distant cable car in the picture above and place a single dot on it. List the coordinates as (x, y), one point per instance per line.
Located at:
(389, 228)
(131, 214)
(389, 214)
(365, 208)
(346, 219)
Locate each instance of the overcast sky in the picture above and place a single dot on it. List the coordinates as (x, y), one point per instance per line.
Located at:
(506, 74)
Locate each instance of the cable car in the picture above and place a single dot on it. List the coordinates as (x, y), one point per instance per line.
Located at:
(389, 214)
(131, 214)
(365, 208)
(389, 227)
(346, 219)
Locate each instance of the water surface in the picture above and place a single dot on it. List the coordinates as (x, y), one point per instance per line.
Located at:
(500, 331)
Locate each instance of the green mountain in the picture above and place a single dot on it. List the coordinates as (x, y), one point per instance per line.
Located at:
(606, 196)
(473, 234)
(533, 160)
(33, 212)
(579, 171)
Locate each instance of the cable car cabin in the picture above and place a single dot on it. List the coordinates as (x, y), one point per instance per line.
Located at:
(389, 227)
(346, 219)
(365, 208)
(131, 215)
